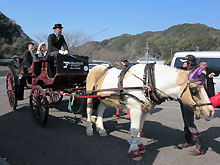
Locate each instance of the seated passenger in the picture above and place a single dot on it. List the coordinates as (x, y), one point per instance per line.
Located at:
(28, 56)
(41, 51)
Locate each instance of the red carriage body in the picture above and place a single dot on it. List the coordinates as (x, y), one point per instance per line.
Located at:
(49, 77)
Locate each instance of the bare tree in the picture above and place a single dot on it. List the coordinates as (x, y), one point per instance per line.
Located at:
(41, 38)
(73, 39)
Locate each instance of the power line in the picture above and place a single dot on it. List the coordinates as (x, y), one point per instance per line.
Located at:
(94, 34)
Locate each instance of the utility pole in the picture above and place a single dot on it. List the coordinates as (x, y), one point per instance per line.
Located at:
(171, 53)
(147, 52)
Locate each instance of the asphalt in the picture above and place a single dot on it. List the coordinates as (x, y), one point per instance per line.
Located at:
(3, 161)
(63, 139)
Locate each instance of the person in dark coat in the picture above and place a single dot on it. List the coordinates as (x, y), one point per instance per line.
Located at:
(191, 132)
(56, 41)
(27, 63)
(208, 75)
(28, 56)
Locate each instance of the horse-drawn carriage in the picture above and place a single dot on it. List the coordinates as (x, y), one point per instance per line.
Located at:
(49, 79)
(140, 90)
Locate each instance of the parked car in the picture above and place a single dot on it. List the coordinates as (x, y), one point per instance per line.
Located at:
(94, 63)
(212, 58)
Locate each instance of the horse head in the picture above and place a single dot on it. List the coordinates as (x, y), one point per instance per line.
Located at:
(195, 96)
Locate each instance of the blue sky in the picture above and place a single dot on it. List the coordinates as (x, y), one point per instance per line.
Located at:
(119, 16)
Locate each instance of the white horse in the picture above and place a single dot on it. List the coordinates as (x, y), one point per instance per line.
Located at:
(169, 82)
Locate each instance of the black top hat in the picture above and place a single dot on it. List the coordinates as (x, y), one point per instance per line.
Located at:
(57, 26)
(190, 59)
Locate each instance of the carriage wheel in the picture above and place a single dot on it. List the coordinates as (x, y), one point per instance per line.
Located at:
(39, 105)
(10, 87)
(55, 98)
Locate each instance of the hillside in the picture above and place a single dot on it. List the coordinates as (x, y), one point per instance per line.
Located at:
(184, 37)
(12, 38)
(162, 44)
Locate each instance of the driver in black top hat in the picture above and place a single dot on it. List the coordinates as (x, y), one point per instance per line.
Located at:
(56, 40)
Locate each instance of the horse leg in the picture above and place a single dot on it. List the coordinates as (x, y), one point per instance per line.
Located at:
(99, 122)
(141, 146)
(89, 130)
(136, 116)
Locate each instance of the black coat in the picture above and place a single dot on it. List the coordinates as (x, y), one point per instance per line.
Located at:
(210, 89)
(27, 59)
(54, 44)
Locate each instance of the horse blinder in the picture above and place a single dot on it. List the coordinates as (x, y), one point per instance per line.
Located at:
(194, 91)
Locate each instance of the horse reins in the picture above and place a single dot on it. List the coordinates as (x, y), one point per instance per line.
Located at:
(149, 70)
(149, 88)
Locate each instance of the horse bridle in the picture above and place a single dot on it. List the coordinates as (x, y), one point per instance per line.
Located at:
(193, 92)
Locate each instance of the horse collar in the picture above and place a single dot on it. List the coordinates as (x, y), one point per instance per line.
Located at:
(150, 77)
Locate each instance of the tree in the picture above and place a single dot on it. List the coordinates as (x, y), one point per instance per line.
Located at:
(73, 39)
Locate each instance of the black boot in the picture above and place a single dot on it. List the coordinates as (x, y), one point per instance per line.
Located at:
(188, 140)
(199, 150)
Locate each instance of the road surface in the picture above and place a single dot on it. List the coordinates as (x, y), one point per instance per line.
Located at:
(63, 140)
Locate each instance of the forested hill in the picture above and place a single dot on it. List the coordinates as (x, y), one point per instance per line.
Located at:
(162, 44)
(12, 39)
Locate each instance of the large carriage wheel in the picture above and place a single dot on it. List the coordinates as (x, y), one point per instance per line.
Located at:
(55, 98)
(10, 87)
(39, 105)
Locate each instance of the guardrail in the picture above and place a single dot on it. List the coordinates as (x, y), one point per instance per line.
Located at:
(5, 62)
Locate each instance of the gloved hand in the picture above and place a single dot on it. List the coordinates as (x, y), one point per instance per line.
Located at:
(211, 75)
(66, 52)
(196, 73)
(61, 52)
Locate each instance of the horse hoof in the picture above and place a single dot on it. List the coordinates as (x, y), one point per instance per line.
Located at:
(102, 132)
(89, 134)
(137, 158)
(141, 148)
(103, 135)
(135, 155)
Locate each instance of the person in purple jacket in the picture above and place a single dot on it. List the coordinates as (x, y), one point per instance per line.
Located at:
(192, 135)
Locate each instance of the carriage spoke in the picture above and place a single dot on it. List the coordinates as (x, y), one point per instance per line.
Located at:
(39, 105)
(10, 89)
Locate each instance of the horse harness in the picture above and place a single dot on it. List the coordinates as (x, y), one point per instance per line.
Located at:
(149, 89)
(148, 80)
(153, 94)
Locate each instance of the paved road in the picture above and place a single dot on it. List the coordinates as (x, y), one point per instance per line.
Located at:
(63, 140)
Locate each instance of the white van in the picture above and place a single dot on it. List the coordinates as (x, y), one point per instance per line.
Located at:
(212, 58)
